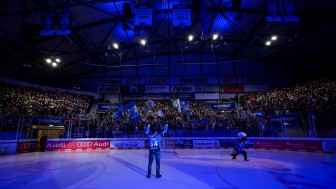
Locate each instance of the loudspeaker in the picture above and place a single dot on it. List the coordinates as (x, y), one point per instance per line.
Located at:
(127, 11)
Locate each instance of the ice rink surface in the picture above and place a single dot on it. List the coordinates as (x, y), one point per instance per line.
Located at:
(180, 168)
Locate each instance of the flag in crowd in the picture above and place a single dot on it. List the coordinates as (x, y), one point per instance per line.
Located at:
(150, 104)
(119, 113)
(184, 105)
(176, 105)
(160, 113)
(133, 112)
(144, 110)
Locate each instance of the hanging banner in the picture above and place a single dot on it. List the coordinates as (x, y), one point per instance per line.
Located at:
(134, 81)
(64, 27)
(231, 80)
(290, 14)
(108, 89)
(157, 80)
(143, 17)
(281, 11)
(56, 24)
(109, 81)
(273, 11)
(49, 24)
(194, 80)
(181, 17)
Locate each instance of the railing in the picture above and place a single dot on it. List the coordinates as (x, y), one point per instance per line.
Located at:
(309, 125)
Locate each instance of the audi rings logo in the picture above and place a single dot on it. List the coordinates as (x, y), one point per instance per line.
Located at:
(28, 146)
(84, 144)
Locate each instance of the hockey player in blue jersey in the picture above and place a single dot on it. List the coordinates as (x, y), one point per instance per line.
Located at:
(154, 149)
(239, 147)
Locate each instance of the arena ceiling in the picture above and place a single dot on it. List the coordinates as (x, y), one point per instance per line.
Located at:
(305, 47)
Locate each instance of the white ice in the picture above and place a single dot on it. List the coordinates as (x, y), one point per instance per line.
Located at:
(180, 169)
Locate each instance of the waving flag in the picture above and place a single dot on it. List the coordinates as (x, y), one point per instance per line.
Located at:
(176, 105)
(133, 112)
(165, 129)
(150, 104)
(144, 110)
(119, 113)
(184, 105)
(160, 113)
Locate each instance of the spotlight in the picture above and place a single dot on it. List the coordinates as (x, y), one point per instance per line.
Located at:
(190, 37)
(115, 45)
(143, 42)
(215, 37)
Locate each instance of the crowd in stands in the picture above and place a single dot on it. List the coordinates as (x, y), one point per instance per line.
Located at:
(16, 100)
(199, 117)
(303, 98)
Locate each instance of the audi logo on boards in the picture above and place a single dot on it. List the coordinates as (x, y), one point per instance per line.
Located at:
(28, 146)
(84, 144)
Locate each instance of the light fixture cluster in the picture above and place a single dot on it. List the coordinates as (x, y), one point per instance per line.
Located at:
(24, 64)
(269, 42)
(214, 37)
(190, 38)
(53, 61)
(216, 40)
(143, 41)
(114, 45)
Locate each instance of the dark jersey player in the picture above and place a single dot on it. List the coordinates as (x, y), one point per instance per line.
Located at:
(239, 147)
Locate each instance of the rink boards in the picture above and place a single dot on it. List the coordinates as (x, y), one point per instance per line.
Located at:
(291, 144)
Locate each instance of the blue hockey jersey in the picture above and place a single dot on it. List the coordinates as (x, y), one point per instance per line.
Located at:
(154, 141)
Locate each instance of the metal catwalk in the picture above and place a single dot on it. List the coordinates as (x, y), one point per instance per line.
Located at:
(183, 168)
